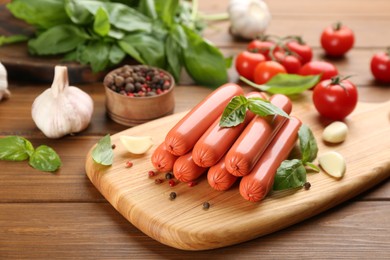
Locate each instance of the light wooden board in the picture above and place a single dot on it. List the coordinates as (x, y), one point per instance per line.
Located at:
(183, 223)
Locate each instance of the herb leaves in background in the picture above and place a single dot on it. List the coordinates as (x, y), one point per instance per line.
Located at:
(292, 173)
(17, 148)
(102, 153)
(165, 34)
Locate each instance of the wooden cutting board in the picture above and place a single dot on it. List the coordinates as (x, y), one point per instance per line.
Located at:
(183, 223)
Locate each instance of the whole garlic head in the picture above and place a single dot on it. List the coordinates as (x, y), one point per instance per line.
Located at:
(248, 18)
(62, 109)
(4, 92)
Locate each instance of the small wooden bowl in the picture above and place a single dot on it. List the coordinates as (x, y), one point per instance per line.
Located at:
(131, 111)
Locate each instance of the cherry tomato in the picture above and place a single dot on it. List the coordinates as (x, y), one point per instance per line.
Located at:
(262, 47)
(246, 63)
(327, 69)
(337, 40)
(266, 70)
(380, 66)
(335, 98)
(290, 62)
(303, 51)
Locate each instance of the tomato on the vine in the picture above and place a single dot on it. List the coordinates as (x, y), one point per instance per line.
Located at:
(290, 62)
(262, 47)
(337, 40)
(327, 69)
(301, 49)
(246, 63)
(335, 98)
(380, 66)
(266, 70)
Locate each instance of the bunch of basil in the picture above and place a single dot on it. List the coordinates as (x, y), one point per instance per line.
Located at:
(102, 33)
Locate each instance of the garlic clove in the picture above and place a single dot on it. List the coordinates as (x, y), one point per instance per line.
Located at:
(333, 163)
(137, 144)
(335, 133)
(62, 109)
(4, 92)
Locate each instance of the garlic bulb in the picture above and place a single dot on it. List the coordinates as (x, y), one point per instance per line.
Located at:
(62, 109)
(4, 92)
(249, 18)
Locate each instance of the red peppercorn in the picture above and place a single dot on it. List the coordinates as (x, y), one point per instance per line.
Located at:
(192, 183)
(172, 183)
(129, 164)
(158, 181)
(151, 173)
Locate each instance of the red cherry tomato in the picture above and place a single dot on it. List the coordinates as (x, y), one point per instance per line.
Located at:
(327, 69)
(335, 98)
(246, 63)
(266, 70)
(380, 66)
(303, 51)
(290, 62)
(262, 47)
(337, 40)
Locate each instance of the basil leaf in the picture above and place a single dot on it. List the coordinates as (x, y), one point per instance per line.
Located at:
(41, 13)
(130, 50)
(203, 61)
(58, 39)
(263, 107)
(102, 23)
(307, 144)
(287, 84)
(45, 159)
(178, 34)
(290, 174)
(147, 8)
(234, 113)
(166, 10)
(173, 51)
(15, 148)
(12, 39)
(312, 166)
(103, 153)
(116, 54)
(96, 54)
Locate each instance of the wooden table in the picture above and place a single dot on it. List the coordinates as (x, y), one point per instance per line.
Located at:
(62, 215)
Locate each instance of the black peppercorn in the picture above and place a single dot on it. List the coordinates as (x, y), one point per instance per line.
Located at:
(172, 195)
(307, 185)
(168, 176)
(206, 205)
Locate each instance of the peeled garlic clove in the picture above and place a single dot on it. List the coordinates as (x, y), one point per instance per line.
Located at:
(4, 92)
(336, 132)
(333, 163)
(137, 144)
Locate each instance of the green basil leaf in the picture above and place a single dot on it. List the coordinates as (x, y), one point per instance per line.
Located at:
(78, 13)
(147, 7)
(287, 84)
(312, 166)
(15, 148)
(263, 107)
(290, 174)
(116, 34)
(229, 61)
(307, 144)
(102, 23)
(147, 48)
(178, 34)
(166, 10)
(96, 54)
(40, 13)
(234, 113)
(173, 51)
(58, 39)
(12, 39)
(45, 159)
(116, 55)
(103, 153)
(203, 61)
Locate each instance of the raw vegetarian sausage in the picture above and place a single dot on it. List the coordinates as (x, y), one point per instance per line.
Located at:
(183, 136)
(186, 170)
(163, 160)
(216, 141)
(256, 185)
(219, 178)
(246, 151)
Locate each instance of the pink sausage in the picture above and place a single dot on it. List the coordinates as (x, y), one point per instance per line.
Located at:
(163, 160)
(186, 170)
(219, 178)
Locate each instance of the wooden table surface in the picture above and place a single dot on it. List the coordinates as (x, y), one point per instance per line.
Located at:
(62, 215)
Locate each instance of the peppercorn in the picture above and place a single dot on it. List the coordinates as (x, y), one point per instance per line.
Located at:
(151, 173)
(113, 146)
(129, 164)
(168, 175)
(192, 183)
(172, 183)
(172, 195)
(206, 205)
(307, 185)
(158, 181)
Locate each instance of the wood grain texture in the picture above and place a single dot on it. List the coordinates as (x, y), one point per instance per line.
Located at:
(183, 224)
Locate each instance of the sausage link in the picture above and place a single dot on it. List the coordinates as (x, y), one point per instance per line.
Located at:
(183, 136)
(250, 145)
(186, 170)
(216, 141)
(163, 160)
(256, 185)
(219, 178)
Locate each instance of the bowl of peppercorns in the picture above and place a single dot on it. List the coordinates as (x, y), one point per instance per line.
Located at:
(136, 94)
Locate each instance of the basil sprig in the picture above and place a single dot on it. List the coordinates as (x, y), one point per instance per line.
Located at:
(17, 148)
(292, 173)
(102, 153)
(287, 84)
(234, 113)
